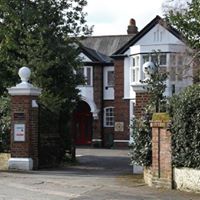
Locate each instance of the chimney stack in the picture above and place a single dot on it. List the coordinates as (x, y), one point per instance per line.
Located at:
(132, 28)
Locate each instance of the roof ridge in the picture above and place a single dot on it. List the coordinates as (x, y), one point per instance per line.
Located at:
(128, 35)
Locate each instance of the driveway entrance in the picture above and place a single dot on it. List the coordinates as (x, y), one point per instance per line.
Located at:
(99, 174)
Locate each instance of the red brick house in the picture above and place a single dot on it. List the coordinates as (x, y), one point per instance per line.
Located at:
(113, 70)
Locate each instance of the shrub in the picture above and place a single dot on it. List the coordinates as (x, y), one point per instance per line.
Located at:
(5, 123)
(140, 147)
(185, 128)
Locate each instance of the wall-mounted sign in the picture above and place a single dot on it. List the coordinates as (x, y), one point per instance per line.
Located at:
(19, 132)
(119, 126)
(19, 116)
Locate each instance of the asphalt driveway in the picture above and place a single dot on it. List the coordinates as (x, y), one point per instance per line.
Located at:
(99, 174)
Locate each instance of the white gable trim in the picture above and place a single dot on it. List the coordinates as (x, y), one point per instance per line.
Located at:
(84, 58)
(158, 35)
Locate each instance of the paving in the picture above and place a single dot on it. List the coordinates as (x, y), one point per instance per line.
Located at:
(99, 174)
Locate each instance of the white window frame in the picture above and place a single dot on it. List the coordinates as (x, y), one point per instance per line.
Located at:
(135, 61)
(135, 74)
(156, 57)
(162, 54)
(135, 69)
(145, 58)
(107, 81)
(85, 68)
(110, 117)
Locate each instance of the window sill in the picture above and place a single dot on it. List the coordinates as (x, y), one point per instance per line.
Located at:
(85, 85)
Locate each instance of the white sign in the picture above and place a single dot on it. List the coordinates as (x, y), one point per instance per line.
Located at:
(19, 132)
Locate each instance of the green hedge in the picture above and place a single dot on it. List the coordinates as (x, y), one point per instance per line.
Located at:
(185, 128)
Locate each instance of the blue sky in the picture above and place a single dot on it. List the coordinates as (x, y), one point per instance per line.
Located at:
(111, 17)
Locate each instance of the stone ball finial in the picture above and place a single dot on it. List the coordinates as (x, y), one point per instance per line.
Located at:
(24, 73)
(148, 69)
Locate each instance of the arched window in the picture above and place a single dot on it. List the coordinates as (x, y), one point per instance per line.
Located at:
(109, 117)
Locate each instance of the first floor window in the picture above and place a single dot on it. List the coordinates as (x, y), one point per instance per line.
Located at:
(154, 59)
(135, 74)
(88, 76)
(172, 73)
(179, 73)
(180, 60)
(136, 60)
(145, 58)
(110, 78)
(173, 60)
(109, 117)
(160, 59)
(163, 59)
(87, 73)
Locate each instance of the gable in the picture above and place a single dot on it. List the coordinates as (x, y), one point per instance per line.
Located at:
(158, 35)
(95, 56)
(84, 58)
(156, 23)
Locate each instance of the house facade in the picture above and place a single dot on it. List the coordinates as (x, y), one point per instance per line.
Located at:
(113, 68)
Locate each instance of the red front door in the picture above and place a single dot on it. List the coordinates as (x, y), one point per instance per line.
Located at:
(83, 128)
(83, 124)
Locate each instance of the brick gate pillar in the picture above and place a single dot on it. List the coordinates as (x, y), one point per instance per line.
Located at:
(161, 151)
(24, 124)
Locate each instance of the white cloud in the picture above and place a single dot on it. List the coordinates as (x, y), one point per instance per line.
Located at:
(112, 16)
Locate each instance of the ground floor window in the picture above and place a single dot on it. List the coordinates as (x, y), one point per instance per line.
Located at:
(109, 117)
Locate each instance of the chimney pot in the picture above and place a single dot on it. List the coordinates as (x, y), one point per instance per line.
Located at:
(132, 28)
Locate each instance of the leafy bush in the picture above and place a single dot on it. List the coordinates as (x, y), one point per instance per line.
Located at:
(5, 123)
(140, 147)
(185, 128)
